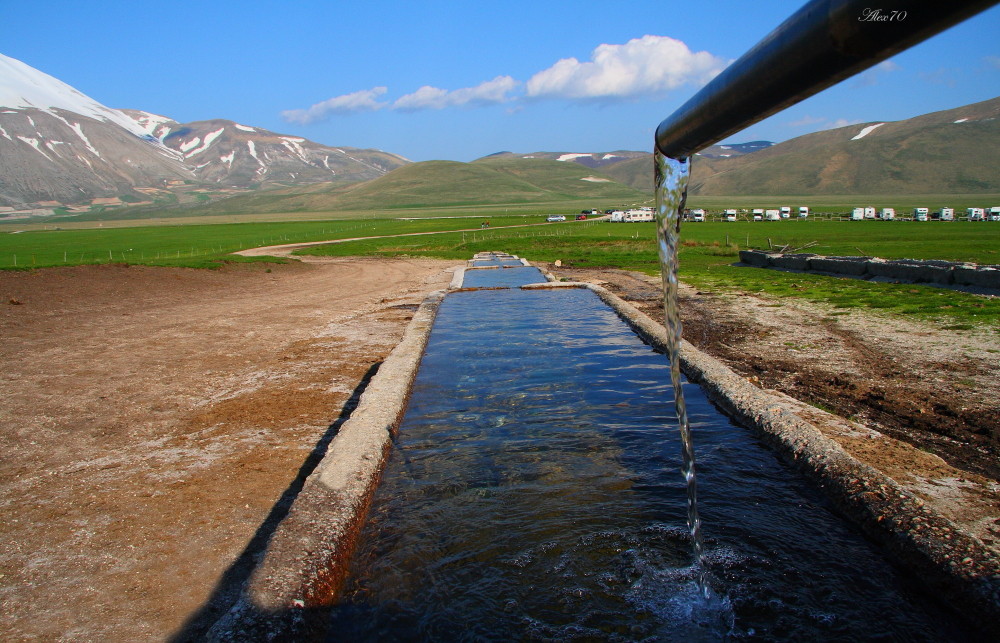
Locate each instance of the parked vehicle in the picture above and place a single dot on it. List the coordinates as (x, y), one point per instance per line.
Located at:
(944, 214)
(786, 212)
(697, 214)
(730, 215)
(994, 213)
(920, 214)
(758, 214)
(555, 217)
(857, 214)
(617, 216)
(975, 214)
(641, 215)
(887, 214)
(581, 217)
(869, 213)
(803, 211)
(772, 215)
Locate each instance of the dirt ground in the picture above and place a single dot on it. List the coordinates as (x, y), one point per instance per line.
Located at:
(155, 423)
(924, 403)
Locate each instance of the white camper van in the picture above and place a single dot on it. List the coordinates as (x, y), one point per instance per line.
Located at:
(730, 215)
(617, 216)
(786, 212)
(758, 214)
(772, 215)
(946, 214)
(857, 214)
(803, 211)
(869, 213)
(993, 214)
(920, 214)
(975, 214)
(887, 214)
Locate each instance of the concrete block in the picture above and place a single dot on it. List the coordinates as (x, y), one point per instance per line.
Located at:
(792, 261)
(755, 258)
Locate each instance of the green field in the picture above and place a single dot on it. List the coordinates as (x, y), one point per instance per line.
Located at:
(708, 252)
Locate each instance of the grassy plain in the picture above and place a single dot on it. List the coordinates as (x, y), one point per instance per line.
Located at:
(707, 253)
(709, 250)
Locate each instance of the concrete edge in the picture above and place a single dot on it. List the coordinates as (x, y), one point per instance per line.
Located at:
(951, 562)
(306, 561)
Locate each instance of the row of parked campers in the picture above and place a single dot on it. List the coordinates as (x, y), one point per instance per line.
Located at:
(761, 214)
(924, 214)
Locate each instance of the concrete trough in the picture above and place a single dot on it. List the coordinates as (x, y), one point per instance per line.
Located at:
(792, 261)
(756, 258)
(306, 562)
(853, 266)
(978, 276)
(911, 271)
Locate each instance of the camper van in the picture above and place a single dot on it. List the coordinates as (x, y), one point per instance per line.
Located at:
(803, 211)
(617, 216)
(993, 214)
(920, 214)
(857, 214)
(944, 214)
(730, 215)
(786, 212)
(758, 214)
(640, 215)
(869, 213)
(697, 214)
(975, 214)
(887, 214)
(772, 215)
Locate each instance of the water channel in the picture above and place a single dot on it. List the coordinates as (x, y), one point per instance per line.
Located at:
(534, 493)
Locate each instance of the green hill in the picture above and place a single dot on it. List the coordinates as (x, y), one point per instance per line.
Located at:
(953, 151)
(430, 184)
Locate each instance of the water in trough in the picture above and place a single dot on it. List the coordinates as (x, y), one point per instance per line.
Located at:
(535, 494)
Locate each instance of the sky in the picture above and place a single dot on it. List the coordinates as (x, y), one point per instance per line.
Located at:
(458, 80)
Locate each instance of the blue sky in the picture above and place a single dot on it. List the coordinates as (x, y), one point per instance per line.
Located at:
(460, 80)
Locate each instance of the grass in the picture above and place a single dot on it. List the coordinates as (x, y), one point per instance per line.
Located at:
(708, 252)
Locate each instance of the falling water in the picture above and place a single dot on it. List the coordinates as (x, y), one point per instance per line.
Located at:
(671, 193)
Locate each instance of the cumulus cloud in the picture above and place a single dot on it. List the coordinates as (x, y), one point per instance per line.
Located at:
(487, 93)
(361, 101)
(871, 76)
(647, 65)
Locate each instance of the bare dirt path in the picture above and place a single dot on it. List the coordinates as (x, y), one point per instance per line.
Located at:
(153, 422)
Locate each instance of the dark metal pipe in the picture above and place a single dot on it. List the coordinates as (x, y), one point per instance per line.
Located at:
(823, 43)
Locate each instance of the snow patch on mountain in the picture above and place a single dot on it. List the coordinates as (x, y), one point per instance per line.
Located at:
(22, 86)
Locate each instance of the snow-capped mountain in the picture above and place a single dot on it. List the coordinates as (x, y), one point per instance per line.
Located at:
(228, 153)
(61, 147)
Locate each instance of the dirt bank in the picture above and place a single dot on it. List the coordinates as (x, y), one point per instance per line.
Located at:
(154, 421)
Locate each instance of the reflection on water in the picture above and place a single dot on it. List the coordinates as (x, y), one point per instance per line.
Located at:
(534, 495)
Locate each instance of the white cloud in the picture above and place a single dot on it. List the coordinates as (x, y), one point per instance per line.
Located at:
(486, 93)
(647, 65)
(807, 120)
(992, 62)
(361, 101)
(871, 77)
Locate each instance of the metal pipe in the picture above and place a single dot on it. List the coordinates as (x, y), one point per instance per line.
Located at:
(821, 44)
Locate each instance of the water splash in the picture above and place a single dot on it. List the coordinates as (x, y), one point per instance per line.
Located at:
(671, 193)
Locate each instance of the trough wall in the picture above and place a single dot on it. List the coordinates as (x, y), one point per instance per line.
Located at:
(942, 273)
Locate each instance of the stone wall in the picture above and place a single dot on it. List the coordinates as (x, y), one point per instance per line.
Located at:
(946, 273)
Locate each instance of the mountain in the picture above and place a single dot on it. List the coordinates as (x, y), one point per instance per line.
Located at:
(951, 151)
(630, 167)
(228, 153)
(57, 144)
(489, 181)
(60, 147)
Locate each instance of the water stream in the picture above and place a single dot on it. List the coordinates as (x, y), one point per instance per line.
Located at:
(534, 495)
